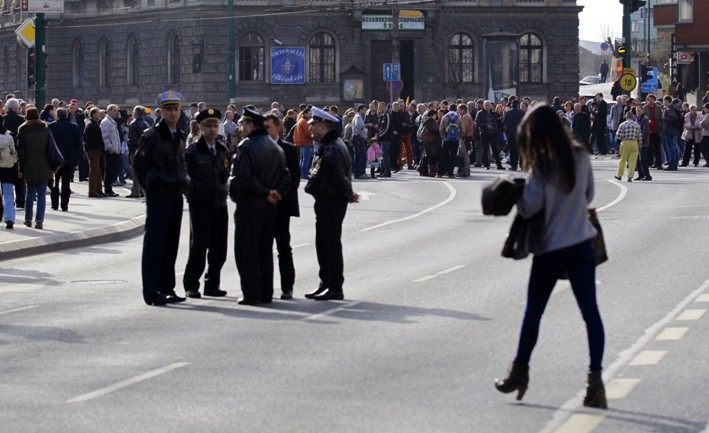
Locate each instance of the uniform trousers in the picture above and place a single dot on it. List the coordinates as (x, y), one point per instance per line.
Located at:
(163, 217)
(208, 239)
(253, 249)
(285, 252)
(329, 215)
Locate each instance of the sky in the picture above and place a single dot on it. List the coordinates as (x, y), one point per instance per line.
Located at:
(597, 15)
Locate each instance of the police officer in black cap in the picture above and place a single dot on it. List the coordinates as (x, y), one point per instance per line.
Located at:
(259, 179)
(160, 165)
(208, 171)
(331, 184)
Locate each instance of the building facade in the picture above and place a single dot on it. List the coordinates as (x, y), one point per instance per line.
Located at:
(293, 51)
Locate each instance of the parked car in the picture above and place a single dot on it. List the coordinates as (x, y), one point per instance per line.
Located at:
(590, 79)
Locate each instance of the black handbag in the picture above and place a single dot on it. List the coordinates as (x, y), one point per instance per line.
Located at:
(526, 236)
(599, 244)
(500, 196)
(54, 155)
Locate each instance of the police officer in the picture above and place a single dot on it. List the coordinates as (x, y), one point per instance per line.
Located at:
(259, 179)
(208, 170)
(160, 165)
(330, 184)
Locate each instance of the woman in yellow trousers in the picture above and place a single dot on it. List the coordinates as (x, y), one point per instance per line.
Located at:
(629, 133)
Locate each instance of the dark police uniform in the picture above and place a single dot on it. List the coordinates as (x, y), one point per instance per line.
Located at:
(160, 166)
(287, 208)
(330, 184)
(208, 172)
(258, 167)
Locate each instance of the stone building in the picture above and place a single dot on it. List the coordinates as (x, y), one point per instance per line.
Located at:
(293, 51)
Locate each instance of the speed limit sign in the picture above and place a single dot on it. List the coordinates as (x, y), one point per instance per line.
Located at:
(628, 82)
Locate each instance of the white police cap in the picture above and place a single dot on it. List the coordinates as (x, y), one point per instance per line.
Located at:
(320, 115)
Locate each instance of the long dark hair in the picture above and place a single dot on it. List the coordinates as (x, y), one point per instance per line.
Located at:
(545, 143)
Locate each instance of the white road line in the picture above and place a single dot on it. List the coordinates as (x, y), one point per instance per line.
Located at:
(648, 357)
(563, 413)
(580, 423)
(620, 388)
(127, 382)
(672, 334)
(690, 314)
(703, 298)
(621, 196)
(451, 196)
(451, 269)
(18, 309)
(332, 311)
(299, 246)
(426, 278)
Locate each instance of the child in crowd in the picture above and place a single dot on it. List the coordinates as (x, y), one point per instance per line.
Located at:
(374, 154)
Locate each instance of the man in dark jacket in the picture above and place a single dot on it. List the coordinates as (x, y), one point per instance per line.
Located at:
(136, 129)
(67, 135)
(12, 121)
(287, 207)
(160, 166)
(513, 117)
(208, 169)
(259, 179)
(581, 126)
(331, 185)
(487, 125)
(93, 143)
(670, 116)
(600, 125)
(385, 135)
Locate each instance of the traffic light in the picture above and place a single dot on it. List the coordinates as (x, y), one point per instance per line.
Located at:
(634, 4)
(620, 51)
(30, 67)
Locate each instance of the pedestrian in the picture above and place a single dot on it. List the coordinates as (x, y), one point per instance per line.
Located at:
(287, 207)
(207, 163)
(560, 184)
(33, 139)
(48, 114)
(136, 129)
(359, 140)
(8, 174)
(692, 136)
(630, 134)
(374, 155)
(604, 71)
(13, 119)
(67, 135)
(331, 186)
(112, 147)
(160, 166)
(644, 156)
(487, 125)
(671, 118)
(259, 179)
(511, 121)
(600, 124)
(705, 135)
(450, 131)
(581, 126)
(303, 141)
(93, 144)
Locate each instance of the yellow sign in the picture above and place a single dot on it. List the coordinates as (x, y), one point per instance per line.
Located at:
(630, 71)
(628, 82)
(25, 33)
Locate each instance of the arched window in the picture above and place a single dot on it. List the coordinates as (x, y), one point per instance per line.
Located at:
(321, 58)
(531, 59)
(461, 58)
(133, 63)
(251, 57)
(173, 58)
(104, 63)
(77, 64)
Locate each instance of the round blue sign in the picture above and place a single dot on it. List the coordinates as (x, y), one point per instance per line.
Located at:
(605, 46)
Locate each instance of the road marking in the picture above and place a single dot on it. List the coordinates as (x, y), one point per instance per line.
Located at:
(692, 314)
(451, 196)
(649, 357)
(127, 382)
(426, 278)
(703, 298)
(451, 269)
(332, 311)
(620, 388)
(299, 246)
(562, 414)
(621, 196)
(365, 195)
(671, 334)
(18, 309)
(580, 423)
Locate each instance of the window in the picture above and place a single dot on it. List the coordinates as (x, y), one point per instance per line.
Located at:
(77, 64)
(461, 58)
(685, 13)
(173, 58)
(133, 63)
(321, 58)
(104, 63)
(531, 59)
(251, 58)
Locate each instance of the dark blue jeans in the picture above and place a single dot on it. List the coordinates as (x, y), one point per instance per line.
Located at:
(359, 163)
(579, 262)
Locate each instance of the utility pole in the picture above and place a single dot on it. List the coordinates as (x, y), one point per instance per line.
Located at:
(648, 12)
(40, 24)
(394, 45)
(231, 69)
(627, 10)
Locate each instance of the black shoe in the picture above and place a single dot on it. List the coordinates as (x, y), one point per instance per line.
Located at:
(487, 168)
(499, 167)
(647, 178)
(158, 299)
(638, 178)
(217, 293)
(111, 194)
(10, 224)
(617, 177)
(172, 298)
(595, 391)
(194, 294)
(517, 380)
(319, 290)
(330, 295)
(287, 294)
(55, 207)
(630, 179)
(246, 301)
(132, 196)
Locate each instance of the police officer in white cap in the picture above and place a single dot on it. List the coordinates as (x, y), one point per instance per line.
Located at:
(330, 184)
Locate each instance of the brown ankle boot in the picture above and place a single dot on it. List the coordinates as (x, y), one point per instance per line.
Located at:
(595, 391)
(516, 380)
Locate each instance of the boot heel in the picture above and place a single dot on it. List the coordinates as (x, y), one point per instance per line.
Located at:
(595, 392)
(520, 392)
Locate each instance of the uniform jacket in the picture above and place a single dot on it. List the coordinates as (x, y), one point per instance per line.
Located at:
(289, 203)
(208, 174)
(332, 175)
(32, 140)
(258, 166)
(93, 138)
(68, 138)
(160, 161)
(111, 136)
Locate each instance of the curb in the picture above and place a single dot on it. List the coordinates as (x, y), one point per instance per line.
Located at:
(34, 246)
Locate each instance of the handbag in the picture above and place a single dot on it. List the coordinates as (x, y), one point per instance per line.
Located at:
(526, 236)
(54, 155)
(501, 194)
(599, 244)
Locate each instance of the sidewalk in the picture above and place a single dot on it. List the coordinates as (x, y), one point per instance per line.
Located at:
(89, 221)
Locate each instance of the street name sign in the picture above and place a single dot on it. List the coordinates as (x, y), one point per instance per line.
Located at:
(43, 6)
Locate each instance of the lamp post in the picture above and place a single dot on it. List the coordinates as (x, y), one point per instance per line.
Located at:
(231, 70)
(40, 24)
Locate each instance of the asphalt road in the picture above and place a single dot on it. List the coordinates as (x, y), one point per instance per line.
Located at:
(431, 317)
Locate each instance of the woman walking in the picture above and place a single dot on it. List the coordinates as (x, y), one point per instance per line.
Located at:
(560, 184)
(8, 173)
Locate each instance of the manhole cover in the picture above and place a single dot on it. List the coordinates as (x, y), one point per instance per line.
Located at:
(97, 282)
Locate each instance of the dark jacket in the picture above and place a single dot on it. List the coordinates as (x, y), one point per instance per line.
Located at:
(482, 120)
(12, 122)
(289, 203)
(93, 137)
(600, 117)
(669, 118)
(33, 137)
(371, 119)
(159, 162)
(67, 135)
(183, 122)
(581, 126)
(258, 166)
(136, 129)
(208, 175)
(384, 133)
(332, 175)
(513, 117)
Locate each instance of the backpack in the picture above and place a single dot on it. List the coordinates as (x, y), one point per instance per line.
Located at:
(452, 130)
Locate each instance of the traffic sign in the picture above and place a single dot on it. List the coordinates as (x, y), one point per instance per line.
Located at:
(392, 71)
(628, 82)
(395, 87)
(25, 33)
(648, 87)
